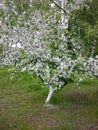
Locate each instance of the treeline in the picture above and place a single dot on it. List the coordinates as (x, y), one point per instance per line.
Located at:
(83, 19)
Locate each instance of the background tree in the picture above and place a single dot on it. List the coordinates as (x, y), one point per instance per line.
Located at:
(84, 25)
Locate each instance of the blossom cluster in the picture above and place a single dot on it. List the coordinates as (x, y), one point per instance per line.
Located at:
(38, 47)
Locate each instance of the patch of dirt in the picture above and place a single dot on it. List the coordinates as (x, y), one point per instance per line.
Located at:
(51, 106)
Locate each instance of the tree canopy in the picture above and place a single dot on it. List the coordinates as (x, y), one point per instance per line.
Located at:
(49, 40)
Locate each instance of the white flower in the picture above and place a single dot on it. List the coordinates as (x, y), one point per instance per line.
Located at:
(23, 69)
(96, 56)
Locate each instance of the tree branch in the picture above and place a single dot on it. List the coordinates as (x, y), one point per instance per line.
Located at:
(58, 6)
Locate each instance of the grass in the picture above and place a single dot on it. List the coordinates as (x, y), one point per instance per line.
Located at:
(22, 105)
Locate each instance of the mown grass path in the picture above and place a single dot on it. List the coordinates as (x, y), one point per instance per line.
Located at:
(22, 105)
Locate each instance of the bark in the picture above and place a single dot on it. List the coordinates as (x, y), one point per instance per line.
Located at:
(64, 17)
(51, 90)
(30, 1)
(93, 48)
(64, 20)
(58, 6)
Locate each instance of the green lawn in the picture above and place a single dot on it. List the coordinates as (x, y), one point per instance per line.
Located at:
(22, 105)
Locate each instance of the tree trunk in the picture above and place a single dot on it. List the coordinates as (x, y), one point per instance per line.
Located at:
(64, 20)
(64, 16)
(50, 94)
(93, 48)
(30, 2)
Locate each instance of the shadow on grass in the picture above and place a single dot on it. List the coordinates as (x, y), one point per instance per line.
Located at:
(76, 96)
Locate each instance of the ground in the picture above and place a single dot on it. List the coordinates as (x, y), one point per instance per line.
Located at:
(22, 105)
